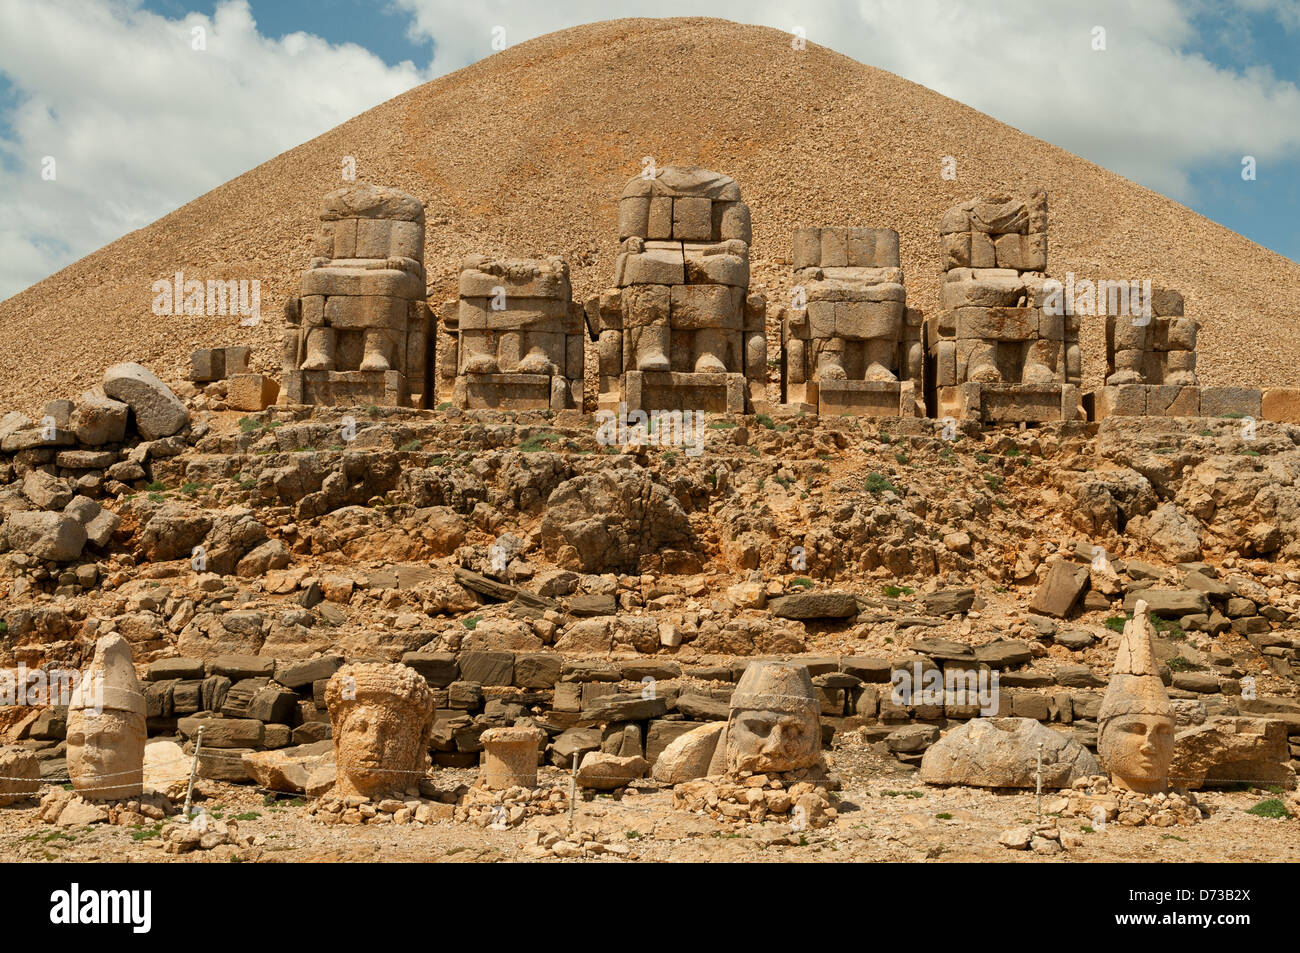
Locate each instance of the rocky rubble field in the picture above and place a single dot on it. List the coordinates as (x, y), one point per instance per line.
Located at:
(613, 595)
(886, 814)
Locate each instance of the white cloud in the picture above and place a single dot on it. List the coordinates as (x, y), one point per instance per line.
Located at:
(1147, 107)
(139, 122)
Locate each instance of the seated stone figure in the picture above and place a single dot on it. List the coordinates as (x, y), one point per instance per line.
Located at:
(998, 327)
(1151, 360)
(856, 328)
(382, 715)
(775, 721)
(1135, 733)
(518, 335)
(682, 305)
(106, 726)
(359, 328)
(1157, 346)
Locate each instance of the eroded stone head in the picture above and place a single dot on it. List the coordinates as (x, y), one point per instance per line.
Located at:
(1136, 722)
(382, 714)
(775, 722)
(106, 726)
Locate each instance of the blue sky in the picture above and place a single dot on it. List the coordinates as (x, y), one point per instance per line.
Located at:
(1183, 90)
(379, 27)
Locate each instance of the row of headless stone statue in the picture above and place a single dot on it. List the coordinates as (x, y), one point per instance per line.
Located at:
(680, 330)
(382, 715)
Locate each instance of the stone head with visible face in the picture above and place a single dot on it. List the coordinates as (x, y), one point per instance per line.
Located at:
(1136, 722)
(106, 726)
(382, 714)
(775, 722)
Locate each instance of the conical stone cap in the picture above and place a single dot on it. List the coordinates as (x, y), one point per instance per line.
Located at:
(1135, 687)
(109, 682)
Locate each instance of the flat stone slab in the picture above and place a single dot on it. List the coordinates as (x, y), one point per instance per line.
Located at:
(1169, 603)
(867, 398)
(1058, 594)
(944, 649)
(814, 605)
(1004, 653)
(1013, 403)
(592, 605)
(948, 601)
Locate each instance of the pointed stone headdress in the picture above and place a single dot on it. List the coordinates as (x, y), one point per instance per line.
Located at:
(109, 683)
(1135, 687)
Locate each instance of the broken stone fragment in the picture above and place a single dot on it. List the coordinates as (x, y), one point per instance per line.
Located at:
(51, 536)
(158, 412)
(1003, 753)
(606, 772)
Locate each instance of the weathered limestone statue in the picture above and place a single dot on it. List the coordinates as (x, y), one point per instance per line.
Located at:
(681, 331)
(382, 715)
(358, 333)
(106, 726)
(519, 338)
(1151, 348)
(1135, 736)
(775, 721)
(1150, 355)
(855, 347)
(510, 757)
(994, 330)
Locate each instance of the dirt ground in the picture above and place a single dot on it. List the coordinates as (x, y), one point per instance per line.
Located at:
(885, 814)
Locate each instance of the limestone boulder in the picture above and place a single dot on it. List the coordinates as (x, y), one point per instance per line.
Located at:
(46, 492)
(1226, 749)
(158, 412)
(1060, 590)
(44, 535)
(236, 534)
(13, 422)
(606, 772)
(100, 524)
(689, 755)
(607, 520)
(98, 420)
(1169, 531)
(172, 532)
(1003, 753)
(166, 768)
(273, 554)
(20, 774)
(289, 769)
(945, 602)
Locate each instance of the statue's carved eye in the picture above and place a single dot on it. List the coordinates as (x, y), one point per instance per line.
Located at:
(758, 726)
